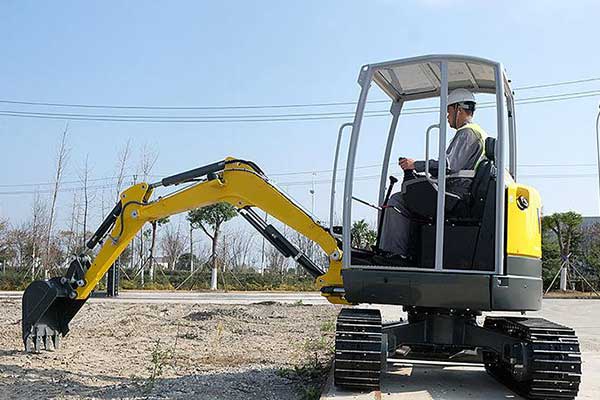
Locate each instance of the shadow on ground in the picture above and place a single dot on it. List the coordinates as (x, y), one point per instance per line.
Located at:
(405, 380)
(34, 383)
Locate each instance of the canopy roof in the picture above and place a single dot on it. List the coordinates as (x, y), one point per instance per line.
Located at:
(420, 77)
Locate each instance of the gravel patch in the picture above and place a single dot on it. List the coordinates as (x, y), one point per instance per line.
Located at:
(176, 351)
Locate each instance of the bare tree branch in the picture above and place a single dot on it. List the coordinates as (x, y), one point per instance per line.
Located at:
(61, 160)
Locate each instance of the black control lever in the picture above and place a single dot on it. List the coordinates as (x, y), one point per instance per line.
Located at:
(393, 181)
(408, 173)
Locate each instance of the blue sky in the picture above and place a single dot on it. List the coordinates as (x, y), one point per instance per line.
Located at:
(268, 52)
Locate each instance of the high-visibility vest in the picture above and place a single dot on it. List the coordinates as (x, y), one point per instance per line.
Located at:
(481, 136)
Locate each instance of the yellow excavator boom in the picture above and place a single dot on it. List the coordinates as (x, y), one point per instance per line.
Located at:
(48, 306)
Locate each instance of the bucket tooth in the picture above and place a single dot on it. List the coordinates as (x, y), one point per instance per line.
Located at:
(56, 341)
(45, 340)
(36, 342)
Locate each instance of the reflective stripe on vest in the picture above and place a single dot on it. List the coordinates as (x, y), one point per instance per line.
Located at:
(481, 136)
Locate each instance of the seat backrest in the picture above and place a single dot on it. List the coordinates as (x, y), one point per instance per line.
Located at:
(484, 176)
(489, 149)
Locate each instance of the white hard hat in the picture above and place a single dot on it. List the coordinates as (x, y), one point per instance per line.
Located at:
(460, 96)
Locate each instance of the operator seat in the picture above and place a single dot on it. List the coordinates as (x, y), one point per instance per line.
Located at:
(421, 196)
(469, 226)
(484, 176)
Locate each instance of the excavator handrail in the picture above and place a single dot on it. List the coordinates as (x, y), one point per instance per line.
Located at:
(334, 173)
(427, 173)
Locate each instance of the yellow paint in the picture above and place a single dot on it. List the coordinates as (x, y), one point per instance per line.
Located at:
(238, 185)
(523, 232)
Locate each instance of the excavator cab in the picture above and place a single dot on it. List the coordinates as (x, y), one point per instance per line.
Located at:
(481, 251)
(469, 254)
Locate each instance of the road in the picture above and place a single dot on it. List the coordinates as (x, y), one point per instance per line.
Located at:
(150, 296)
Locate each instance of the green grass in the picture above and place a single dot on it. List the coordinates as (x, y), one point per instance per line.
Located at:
(309, 377)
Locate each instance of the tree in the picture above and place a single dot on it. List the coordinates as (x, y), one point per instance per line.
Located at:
(562, 235)
(210, 219)
(567, 228)
(33, 234)
(312, 251)
(147, 161)
(5, 250)
(173, 244)
(150, 234)
(591, 246)
(61, 160)
(362, 235)
(122, 160)
(237, 249)
(276, 262)
(183, 263)
(84, 175)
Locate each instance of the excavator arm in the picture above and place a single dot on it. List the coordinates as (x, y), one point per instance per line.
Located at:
(48, 306)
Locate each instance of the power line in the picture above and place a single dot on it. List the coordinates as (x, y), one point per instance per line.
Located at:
(65, 182)
(394, 163)
(60, 190)
(558, 176)
(556, 165)
(547, 85)
(371, 177)
(280, 174)
(344, 113)
(299, 183)
(271, 118)
(267, 106)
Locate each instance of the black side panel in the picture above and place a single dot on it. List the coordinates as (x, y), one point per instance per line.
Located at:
(459, 246)
(483, 259)
(410, 288)
(524, 266)
(516, 293)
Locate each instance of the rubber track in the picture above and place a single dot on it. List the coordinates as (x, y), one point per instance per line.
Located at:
(554, 358)
(358, 356)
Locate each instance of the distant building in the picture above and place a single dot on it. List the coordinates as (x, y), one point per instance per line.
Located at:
(589, 221)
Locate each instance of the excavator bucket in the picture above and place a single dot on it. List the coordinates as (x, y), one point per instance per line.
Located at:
(47, 311)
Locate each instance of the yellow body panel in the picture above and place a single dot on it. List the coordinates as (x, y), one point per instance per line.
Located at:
(524, 229)
(239, 185)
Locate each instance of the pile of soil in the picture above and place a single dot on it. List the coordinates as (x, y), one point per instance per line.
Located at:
(134, 351)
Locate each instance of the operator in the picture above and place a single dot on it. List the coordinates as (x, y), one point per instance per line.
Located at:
(465, 152)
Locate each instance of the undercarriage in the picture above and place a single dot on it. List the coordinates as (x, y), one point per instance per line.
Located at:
(536, 358)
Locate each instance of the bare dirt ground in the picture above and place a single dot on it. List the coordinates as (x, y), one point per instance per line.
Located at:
(135, 351)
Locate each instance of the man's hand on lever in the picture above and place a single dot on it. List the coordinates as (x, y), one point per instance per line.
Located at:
(407, 163)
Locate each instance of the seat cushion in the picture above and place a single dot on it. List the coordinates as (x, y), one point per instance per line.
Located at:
(421, 198)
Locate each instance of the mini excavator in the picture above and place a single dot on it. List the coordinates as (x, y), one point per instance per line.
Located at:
(485, 259)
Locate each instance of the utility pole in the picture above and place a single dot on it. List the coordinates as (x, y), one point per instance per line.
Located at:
(191, 248)
(564, 274)
(312, 194)
(262, 260)
(598, 150)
